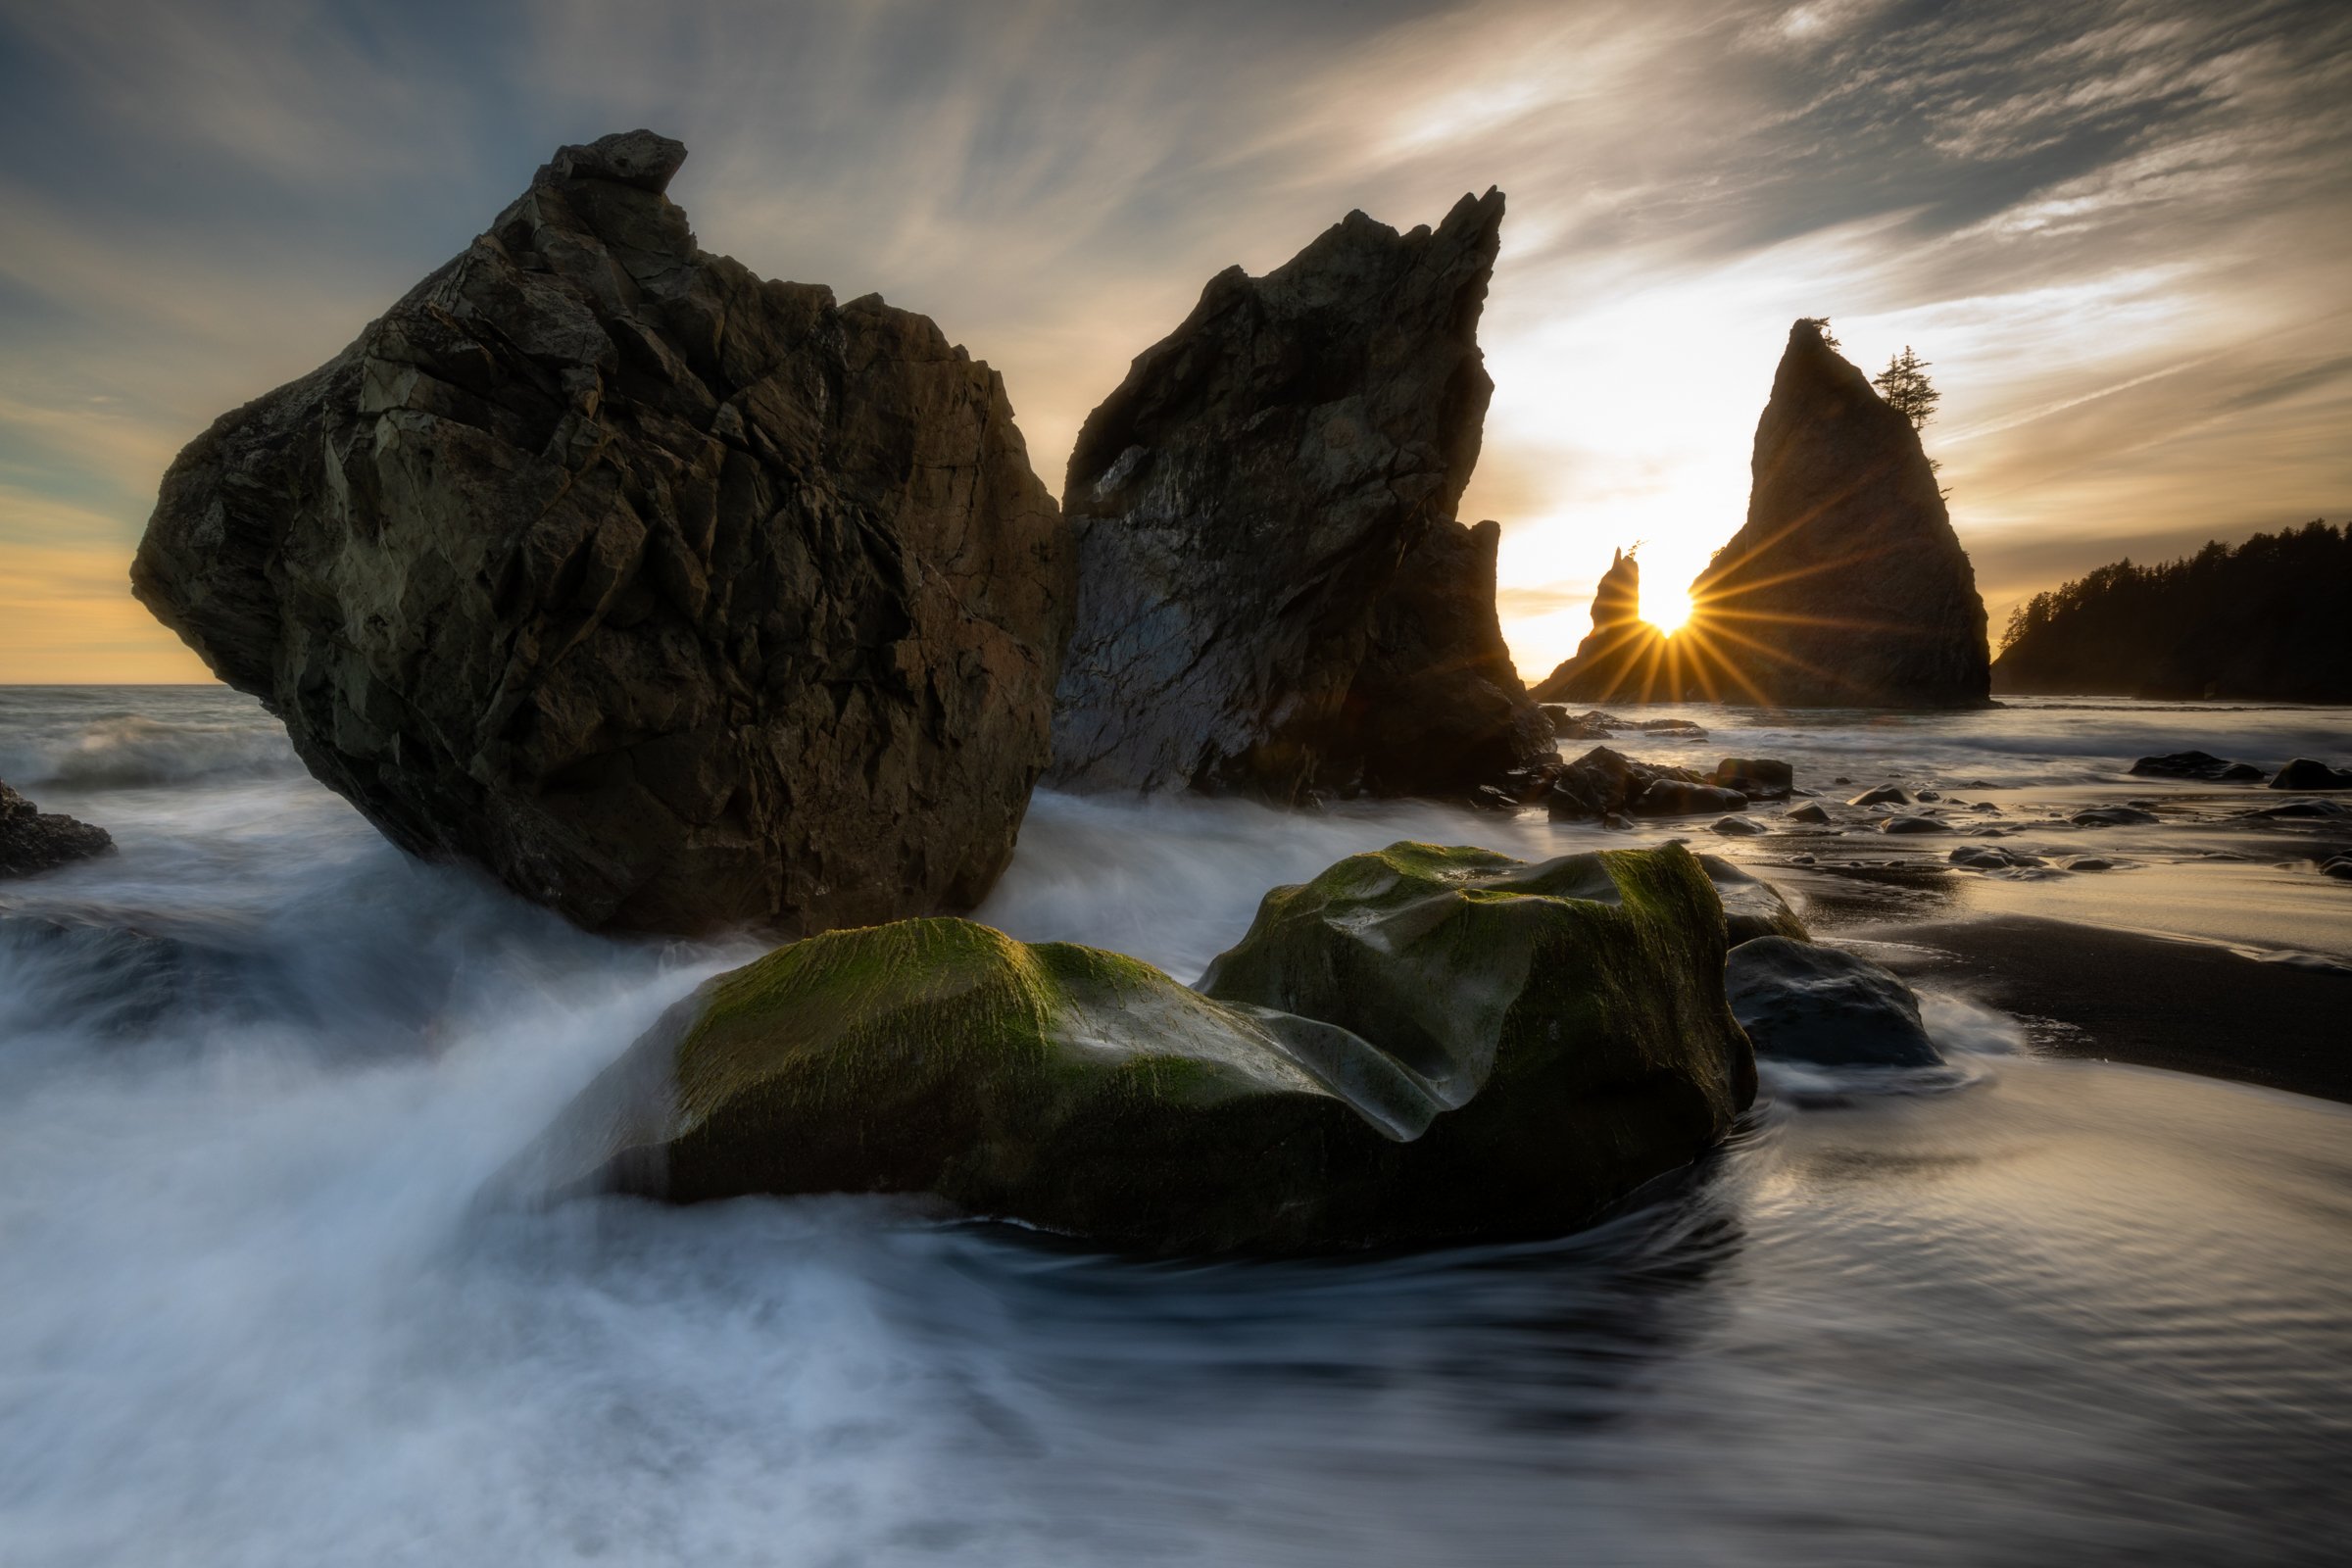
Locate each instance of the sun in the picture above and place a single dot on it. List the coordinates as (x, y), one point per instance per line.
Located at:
(1665, 607)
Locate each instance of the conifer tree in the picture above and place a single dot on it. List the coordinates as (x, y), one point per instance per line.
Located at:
(1904, 385)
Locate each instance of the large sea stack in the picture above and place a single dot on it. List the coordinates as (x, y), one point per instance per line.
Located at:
(1848, 586)
(676, 598)
(1623, 658)
(1275, 595)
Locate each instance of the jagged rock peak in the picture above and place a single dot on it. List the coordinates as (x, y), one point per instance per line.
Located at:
(639, 158)
(1623, 658)
(1848, 586)
(675, 597)
(1245, 505)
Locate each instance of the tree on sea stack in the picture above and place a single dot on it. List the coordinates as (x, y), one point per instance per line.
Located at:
(1905, 386)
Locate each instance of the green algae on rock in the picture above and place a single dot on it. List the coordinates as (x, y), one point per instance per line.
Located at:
(1421, 1045)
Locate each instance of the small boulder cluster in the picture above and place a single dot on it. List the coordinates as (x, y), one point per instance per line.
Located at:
(32, 841)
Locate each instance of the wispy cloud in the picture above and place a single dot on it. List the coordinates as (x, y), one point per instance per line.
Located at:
(2116, 227)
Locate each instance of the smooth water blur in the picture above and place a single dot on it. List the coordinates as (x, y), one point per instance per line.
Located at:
(255, 1068)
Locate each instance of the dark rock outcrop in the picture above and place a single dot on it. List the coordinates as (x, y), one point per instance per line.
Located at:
(32, 840)
(1623, 658)
(1604, 781)
(1752, 907)
(2309, 773)
(675, 597)
(1803, 1002)
(1847, 588)
(2200, 765)
(1759, 778)
(1437, 702)
(1274, 594)
(1421, 1045)
(1883, 795)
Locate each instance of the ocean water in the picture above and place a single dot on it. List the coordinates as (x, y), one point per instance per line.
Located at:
(255, 1068)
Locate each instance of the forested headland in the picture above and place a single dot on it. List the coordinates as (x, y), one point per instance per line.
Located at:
(2270, 618)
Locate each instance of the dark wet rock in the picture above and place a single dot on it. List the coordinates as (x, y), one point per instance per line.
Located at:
(33, 841)
(2112, 816)
(1572, 727)
(1675, 796)
(1752, 907)
(1927, 795)
(2307, 774)
(2338, 866)
(1846, 587)
(1991, 857)
(1274, 594)
(1437, 700)
(1738, 826)
(1623, 658)
(675, 597)
(1841, 779)
(1617, 823)
(1812, 812)
(1672, 728)
(1602, 781)
(1489, 798)
(2090, 862)
(1884, 795)
(1913, 824)
(2293, 810)
(2200, 765)
(1759, 778)
(1419, 1045)
(1799, 1002)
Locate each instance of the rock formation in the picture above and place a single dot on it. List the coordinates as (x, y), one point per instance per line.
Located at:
(1803, 1002)
(2200, 765)
(1848, 586)
(1274, 595)
(1604, 782)
(2310, 773)
(1623, 658)
(1422, 1045)
(32, 840)
(673, 597)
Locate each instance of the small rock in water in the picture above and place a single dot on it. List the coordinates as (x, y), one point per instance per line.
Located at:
(1759, 778)
(1989, 857)
(2200, 765)
(2304, 809)
(1617, 823)
(1680, 728)
(1841, 779)
(1488, 797)
(1914, 824)
(32, 840)
(1738, 826)
(2339, 866)
(2306, 773)
(2090, 862)
(1674, 797)
(1884, 795)
(1805, 1002)
(1927, 795)
(1811, 812)
(1752, 907)
(1593, 726)
(2112, 816)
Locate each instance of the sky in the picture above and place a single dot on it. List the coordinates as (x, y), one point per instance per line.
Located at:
(2118, 230)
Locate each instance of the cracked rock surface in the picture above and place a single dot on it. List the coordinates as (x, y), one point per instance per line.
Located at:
(1275, 595)
(675, 597)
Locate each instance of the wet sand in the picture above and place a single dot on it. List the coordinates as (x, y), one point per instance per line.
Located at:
(2123, 996)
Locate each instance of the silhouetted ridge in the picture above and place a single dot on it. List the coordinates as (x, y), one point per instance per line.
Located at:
(2264, 619)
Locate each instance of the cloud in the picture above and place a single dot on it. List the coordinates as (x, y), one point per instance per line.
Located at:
(2115, 228)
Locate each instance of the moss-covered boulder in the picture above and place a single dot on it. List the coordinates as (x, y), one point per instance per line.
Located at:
(1420, 1044)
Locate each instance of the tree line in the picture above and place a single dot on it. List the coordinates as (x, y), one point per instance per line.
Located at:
(2268, 619)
